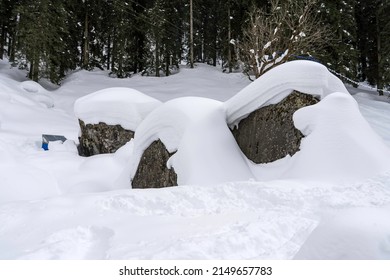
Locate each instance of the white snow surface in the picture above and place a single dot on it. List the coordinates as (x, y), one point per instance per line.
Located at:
(119, 105)
(273, 86)
(359, 233)
(335, 147)
(58, 205)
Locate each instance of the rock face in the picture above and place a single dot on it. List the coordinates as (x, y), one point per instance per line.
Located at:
(268, 133)
(102, 138)
(152, 169)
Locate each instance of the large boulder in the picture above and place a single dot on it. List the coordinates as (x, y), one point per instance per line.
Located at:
(109, 117)
(152, 171)
(268, 133)
(102, 138)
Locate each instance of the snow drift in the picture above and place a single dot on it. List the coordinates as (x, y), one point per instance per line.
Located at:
(57, 205)
(339, 145)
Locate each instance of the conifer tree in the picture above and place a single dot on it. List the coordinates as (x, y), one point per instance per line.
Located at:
(341, 50)
(42, 31)
(374, 30)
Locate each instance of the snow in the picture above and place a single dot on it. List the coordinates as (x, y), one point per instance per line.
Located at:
(339, 145)
(267, 45)
(124, 106)
(304, 76)
(57, 205)
(360, 233)
(208, 152)
(195, 127)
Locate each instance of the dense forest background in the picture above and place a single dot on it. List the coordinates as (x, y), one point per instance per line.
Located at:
(50, 37)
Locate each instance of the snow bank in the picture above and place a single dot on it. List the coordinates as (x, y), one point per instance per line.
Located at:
(339, 145)
(124, 106)
(304, 76)
(359, 234)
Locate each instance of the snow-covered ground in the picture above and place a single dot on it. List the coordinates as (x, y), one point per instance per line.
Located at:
(57, 205)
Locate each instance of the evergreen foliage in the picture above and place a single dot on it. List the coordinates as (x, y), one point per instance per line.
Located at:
(51, 37)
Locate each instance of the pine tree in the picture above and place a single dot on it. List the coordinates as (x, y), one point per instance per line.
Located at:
(3, 26)
(374, 41)
(341, 52)
(42, 31)
(7, 28)
(167, 36)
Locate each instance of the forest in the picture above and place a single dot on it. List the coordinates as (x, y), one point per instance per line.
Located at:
(49, 38)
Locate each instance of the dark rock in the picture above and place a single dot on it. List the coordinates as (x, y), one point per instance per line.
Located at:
(152, 169)
(268, 133)
(102, 138)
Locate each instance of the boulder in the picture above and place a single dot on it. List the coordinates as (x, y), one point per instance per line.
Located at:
(152, 171)
(268, 133)
(102, 138)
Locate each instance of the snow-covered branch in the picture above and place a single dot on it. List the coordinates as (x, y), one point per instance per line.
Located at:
(273, 37)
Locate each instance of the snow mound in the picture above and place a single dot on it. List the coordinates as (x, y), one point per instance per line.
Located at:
(339, 145)
(9, 92)
(27, 93)
(209, 154)
(124, 106)
(37, 93)
(196, 128)
(272, 87)
(360, 234)
(31, 86)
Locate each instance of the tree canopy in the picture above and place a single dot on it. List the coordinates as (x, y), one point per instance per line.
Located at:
(51, 37)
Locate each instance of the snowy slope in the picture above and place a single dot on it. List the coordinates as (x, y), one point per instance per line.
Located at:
(57, 205)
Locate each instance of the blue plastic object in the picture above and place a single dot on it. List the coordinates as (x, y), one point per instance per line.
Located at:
(45, 146)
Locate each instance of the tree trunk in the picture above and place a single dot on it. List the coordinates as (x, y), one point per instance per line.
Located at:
(108, 51)
(12, 43)
(33, 74)
(2, 40)
(229, 45)
(157, 59)
(167, 63)
(379, 82)
(191, 37)
(114, 50)
(86, 42)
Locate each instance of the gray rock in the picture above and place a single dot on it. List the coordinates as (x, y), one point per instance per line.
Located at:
(152, 169)
(268, 133)
(102, 138)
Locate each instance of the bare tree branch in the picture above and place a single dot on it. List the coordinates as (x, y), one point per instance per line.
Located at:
(290, 28)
